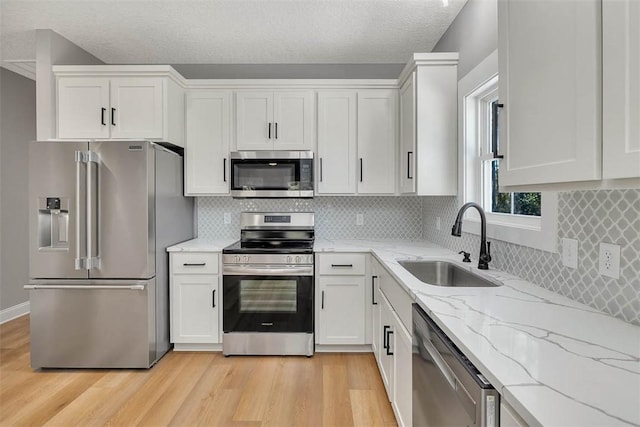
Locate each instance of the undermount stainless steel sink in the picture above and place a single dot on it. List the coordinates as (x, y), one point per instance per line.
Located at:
(443, 273)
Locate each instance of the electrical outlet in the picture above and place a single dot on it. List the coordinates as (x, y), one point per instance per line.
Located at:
(227, 218)
(438, 223)
(359, 219)
(570, 253)
(609, 264)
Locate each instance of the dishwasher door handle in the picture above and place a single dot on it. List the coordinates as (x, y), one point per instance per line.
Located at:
(439, 362)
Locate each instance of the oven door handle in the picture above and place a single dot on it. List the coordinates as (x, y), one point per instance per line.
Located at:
(267, 270)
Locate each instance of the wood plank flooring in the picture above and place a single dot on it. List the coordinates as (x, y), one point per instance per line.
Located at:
(190, 389)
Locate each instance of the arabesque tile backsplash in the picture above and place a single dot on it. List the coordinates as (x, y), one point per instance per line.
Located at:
(591, 217)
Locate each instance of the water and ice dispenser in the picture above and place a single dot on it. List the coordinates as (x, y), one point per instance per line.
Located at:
(53, 223)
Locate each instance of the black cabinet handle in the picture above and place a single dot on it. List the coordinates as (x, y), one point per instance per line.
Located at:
(224, 170)
(409, 154)
(198, 264)
(322, 301)
(104, 110)
(269, 130)
(389, 352)
(385, 336)
(276, 132)
(113, 116)
(320, 169)
(213, 298)
(360, 169)
(342, 265)
(494, 130)
(373, 290)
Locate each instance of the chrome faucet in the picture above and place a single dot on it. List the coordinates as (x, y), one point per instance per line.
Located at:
(485, 247)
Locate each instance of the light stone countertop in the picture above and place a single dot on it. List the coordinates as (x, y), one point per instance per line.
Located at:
(555, 361)
(201, 245)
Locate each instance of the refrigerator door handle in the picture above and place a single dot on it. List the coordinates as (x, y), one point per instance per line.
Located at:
(93, 259)
(85, 287)
(80, 262)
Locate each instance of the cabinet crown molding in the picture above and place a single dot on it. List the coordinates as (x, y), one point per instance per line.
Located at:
(119, 71)
(431, 59)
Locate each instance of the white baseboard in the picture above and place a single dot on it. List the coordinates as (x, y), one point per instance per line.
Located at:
(342, 348)
(14, 312)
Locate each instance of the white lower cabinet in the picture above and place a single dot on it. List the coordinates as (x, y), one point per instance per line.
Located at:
(392, 344)
(340, 309)
(195, 300)
(341, 299)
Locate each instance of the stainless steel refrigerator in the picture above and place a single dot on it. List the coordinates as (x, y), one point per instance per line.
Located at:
(101, 215)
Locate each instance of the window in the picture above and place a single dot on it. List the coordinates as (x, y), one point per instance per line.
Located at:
(527, 219)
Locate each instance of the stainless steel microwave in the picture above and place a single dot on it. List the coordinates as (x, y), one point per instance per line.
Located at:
(276, 174)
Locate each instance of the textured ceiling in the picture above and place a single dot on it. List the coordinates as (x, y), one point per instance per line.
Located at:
(231, 31)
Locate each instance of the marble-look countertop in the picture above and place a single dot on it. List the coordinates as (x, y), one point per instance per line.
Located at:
(201, 245)
(555, 361)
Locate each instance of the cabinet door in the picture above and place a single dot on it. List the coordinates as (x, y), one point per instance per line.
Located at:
(402, 384)
(621, 89)
(376, 329)
(509, 417)
(336, 162)
(136, 108)
(83, 108)
(377, 141)
(341, 310)
(551, 120)
(293, 120)
(387, 345)
(408, 136)
(207, 142)
(195, 301)
(254, 121)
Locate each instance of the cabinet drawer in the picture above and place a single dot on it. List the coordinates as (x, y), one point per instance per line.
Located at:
(194, 263)
(342, 264)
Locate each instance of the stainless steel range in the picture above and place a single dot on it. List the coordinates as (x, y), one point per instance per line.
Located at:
(268, 286)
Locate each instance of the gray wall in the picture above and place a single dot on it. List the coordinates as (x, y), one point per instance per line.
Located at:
(53, 49)
(289, 71)
(17, 128)
(474, 34)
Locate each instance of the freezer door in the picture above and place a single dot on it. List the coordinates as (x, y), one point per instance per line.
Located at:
(125, 217)
(92, 324)
(57, 210)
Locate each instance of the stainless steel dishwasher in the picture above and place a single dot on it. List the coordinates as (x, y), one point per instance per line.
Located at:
(447, 389)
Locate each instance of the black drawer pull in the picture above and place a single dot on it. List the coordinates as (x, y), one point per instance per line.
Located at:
(373, 290)
(385, 336)
(113, 116)
(213, 298)
(199, 264)
(389, 352)
(322, 306)
(342, 265)
(104, 110)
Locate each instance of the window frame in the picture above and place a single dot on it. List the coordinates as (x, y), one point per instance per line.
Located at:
(537, 232)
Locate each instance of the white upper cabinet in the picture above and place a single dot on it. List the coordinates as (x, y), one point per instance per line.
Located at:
(208, 130)
(136, 108)
(119, 102)
(376, 141)
(408, 136)
(550, 86)
(83, 108)
(336, 159)
(274, 120)
(428, 125)
(621, 88)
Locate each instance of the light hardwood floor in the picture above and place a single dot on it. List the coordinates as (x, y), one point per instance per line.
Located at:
(187, 389)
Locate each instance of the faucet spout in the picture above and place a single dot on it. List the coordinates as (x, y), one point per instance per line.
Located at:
(485, 247)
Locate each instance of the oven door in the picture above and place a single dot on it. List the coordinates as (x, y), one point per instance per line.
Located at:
(267, 303)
